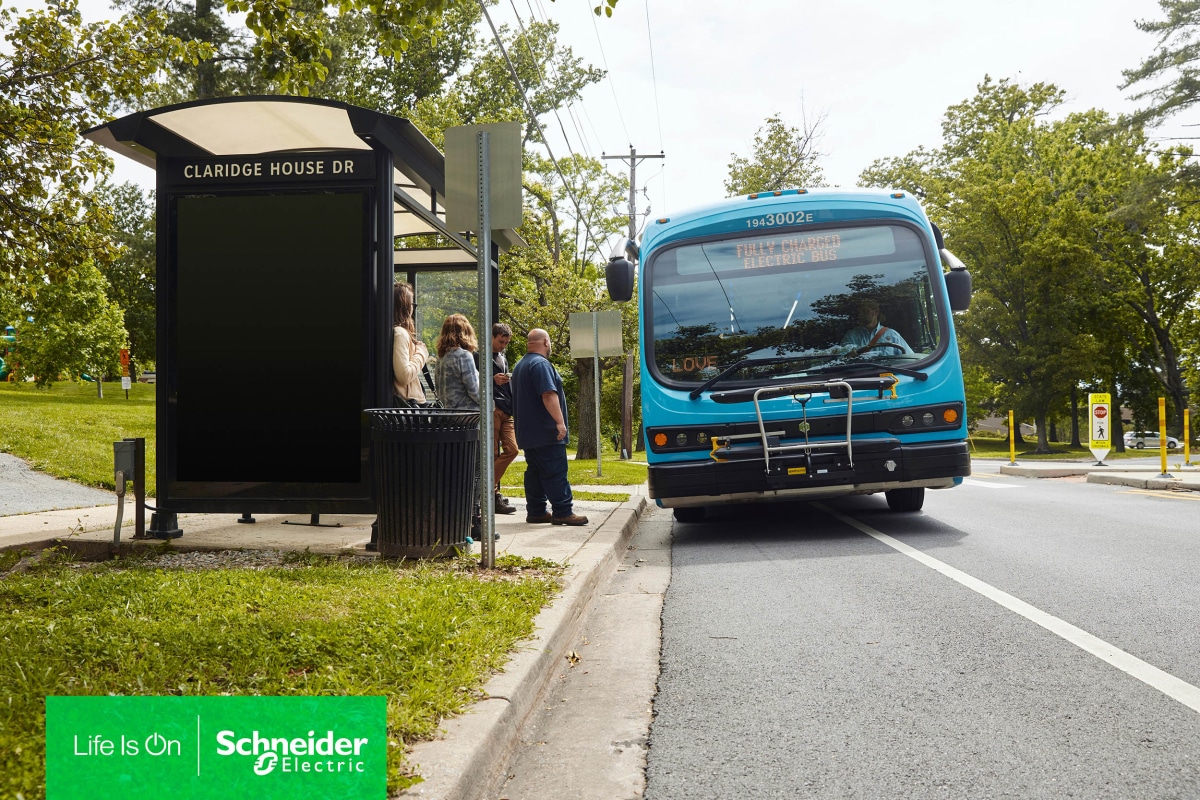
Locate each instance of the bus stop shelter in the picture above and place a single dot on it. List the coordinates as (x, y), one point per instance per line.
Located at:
(281, 225)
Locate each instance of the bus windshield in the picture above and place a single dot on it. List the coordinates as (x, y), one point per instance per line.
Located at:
(796, 301)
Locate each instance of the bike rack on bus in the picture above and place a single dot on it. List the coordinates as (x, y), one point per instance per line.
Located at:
(802, 393)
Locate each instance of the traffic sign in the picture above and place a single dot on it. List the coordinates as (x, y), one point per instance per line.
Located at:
(1100, 438)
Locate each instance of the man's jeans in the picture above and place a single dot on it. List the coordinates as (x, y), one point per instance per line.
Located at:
(546, 480)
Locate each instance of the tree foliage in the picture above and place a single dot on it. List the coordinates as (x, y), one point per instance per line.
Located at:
(59, 76)
(295, 37)
(783, 157)
(1075, 230)
(1170, 75)
(351, 63)
(559, 273)
(131, 276)
(75, 329)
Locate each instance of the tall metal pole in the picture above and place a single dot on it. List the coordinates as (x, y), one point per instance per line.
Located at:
(627, 388)
(487, 470)
(596, 379)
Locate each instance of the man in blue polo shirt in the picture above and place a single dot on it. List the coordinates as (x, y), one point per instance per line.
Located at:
(540, 413)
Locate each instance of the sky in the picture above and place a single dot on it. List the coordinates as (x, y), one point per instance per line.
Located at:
(695, 79)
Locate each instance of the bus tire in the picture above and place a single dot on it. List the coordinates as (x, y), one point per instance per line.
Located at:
(906, 499)
(689, 514)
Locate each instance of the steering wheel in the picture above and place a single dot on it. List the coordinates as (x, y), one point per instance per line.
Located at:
(862, 350)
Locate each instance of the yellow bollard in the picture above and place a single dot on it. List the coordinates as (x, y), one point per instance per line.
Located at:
(1187, 438)
(1012, 442)
(1162, 435)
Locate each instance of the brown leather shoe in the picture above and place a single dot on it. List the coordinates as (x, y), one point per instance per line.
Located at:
(503, 506)
(574, 519)
(539, 518)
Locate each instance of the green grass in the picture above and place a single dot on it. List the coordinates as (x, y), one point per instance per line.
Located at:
(66, 431)
(607, 497)
(616, 473)
(427, 636)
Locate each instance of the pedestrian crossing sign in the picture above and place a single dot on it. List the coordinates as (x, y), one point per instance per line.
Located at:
(1100, 424)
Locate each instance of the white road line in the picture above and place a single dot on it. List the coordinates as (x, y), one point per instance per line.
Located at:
(974, 482)
(1168, 684)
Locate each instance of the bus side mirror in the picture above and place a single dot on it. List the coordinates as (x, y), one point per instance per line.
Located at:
(619, 272)
(619, 277)
(958, 282)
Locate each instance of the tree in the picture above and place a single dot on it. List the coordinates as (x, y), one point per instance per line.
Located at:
(1175, 64)
(784, 157)
(995, 186)
(558, 274)
(1080, 237)
(75, 329)
(295, 38)
(552, 76)
(232, 68)
(568, 206)
(58, 77)
(131, 275)
(353, 66)
(1148, 234)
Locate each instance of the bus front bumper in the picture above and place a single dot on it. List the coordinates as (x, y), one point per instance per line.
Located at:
(878, 466)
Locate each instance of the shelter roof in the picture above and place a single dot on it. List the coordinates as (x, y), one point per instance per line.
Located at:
(282, 124)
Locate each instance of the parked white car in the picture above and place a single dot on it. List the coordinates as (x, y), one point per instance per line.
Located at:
(1140, 440)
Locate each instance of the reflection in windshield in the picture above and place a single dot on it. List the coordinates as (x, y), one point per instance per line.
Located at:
(854, 294)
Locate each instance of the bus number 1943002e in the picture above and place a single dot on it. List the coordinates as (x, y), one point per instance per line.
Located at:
(782, 218)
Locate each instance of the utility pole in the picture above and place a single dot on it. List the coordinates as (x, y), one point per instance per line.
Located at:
(633, 159)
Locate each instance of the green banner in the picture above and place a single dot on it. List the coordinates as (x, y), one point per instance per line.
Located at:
(273, 748)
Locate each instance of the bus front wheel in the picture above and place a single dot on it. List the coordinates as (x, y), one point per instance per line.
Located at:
(689, 514)
(906, 499)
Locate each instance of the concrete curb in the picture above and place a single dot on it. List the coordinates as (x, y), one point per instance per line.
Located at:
(1184, 477)
(1141, 481)
(470, 757)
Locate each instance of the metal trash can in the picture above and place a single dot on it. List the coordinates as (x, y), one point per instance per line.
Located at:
(424, 479)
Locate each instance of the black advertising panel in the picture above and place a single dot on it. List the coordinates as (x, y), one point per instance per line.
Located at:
(268, 331)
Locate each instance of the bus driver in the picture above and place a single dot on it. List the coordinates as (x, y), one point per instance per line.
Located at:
(869, 336)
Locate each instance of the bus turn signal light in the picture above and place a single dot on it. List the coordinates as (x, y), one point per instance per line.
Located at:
(950, 415)
(660, 439)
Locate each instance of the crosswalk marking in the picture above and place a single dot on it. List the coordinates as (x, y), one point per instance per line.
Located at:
(974, 482)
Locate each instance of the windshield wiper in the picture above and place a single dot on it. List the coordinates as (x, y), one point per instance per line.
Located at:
(871, 367)
(714, 380)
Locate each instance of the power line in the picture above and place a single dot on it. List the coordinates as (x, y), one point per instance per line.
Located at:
(583, 140)
(653, 76)
(541, 77)
(657, 108)
(611, 83)
(533, 118)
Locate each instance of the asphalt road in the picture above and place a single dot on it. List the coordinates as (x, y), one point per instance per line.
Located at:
(1017, 638)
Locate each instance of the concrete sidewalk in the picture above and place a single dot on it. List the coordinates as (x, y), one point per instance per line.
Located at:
(469, 758)
(1179, 477)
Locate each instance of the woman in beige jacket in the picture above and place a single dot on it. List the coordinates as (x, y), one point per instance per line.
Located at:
(409, 353)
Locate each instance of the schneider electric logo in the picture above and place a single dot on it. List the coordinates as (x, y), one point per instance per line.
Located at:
(320, 753)
(216, 748)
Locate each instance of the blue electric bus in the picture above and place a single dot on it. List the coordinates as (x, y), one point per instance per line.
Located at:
(799, 344)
